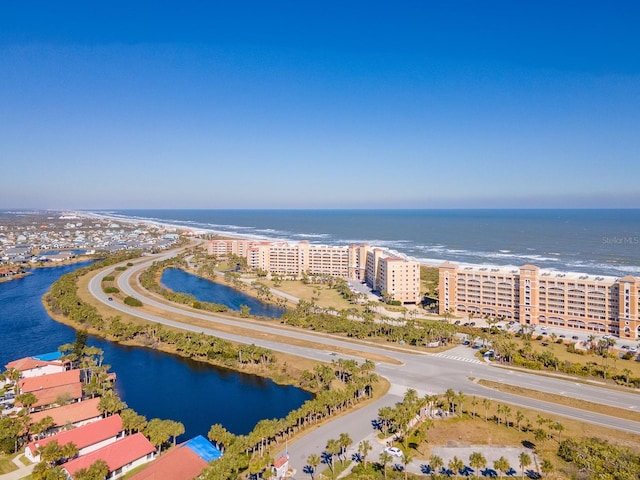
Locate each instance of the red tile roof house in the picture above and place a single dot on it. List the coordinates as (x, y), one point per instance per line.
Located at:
(184, 462)
(76, 414)
(281, 467)
(87, 438)
(33, 367)
(48, 388)
(121, 456)
(41, 382)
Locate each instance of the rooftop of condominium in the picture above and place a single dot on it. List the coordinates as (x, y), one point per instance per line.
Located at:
(543, 272)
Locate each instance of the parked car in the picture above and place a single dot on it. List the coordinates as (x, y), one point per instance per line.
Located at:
(393, 451)
(575, 337)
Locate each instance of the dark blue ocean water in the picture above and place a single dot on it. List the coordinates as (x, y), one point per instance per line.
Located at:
(604, 242)
(208, 291)
(154, 384)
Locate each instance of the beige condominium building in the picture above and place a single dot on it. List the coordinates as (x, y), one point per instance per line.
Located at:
(530, 295)
(383, 272)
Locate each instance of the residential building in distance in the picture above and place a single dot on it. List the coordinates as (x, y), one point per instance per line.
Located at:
(380, 270)
(530, 295)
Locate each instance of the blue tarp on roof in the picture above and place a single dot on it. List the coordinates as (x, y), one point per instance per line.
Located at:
(203, 448)
(48, 357)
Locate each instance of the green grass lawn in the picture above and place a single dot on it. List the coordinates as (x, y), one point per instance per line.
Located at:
(6, 464)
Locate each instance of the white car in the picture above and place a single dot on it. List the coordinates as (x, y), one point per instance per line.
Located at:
(394, 451)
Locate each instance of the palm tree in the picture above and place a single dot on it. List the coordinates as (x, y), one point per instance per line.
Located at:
(519, 418)
(540, 435)
(450, 395)
(420, 436)
(460, 398)
(499, 412)
(364, 447)
(486, 403)
(502, 465)
(436, 463)
(455, 465)
(474, 403)
(506, 409)
(313, 460)
(406, 460)
(524, 460)
(558, 427)
(478, 461)
(332, 449)
(344, 441)
(219, 436)
(385, 458)
(174, 429)
(546, 467)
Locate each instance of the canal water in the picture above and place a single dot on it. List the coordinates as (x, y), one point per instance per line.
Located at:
(155, 384)
(208, 291)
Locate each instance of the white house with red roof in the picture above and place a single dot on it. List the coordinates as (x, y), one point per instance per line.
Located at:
(281, 467)
(87, 438)
(49, 388)
(76, 414)
(121, 457)
(51, 380)
(34, 367)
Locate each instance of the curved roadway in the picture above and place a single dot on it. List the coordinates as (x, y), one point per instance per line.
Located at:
(426, 373)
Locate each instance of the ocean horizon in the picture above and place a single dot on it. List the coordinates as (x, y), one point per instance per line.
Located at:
(596, 241)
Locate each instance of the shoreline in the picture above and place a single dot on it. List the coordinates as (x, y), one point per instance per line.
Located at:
(536, 259)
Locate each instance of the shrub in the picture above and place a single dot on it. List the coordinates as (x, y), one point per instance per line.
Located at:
(111, 290)
(132, 302)
(129, 264)
(108, 278)
(120, 269)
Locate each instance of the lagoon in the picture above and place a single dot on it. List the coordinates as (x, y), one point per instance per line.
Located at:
(153, 383)
(207, 291)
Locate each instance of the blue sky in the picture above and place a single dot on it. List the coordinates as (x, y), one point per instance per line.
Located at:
(407, 104)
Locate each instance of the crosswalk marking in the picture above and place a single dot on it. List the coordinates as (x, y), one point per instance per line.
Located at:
(461, 359)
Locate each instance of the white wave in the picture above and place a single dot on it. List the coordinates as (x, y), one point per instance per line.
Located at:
(312, 235)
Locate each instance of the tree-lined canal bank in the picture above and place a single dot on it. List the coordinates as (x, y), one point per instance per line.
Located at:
(153, 383)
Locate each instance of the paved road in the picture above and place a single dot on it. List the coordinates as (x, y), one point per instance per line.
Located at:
(423, 372)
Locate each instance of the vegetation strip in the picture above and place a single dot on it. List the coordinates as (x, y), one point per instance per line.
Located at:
(248, 332)
(563, 400)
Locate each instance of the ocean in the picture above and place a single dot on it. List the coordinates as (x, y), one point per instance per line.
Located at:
(602, 242)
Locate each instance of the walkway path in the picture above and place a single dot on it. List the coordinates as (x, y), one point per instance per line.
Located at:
(22, 471)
